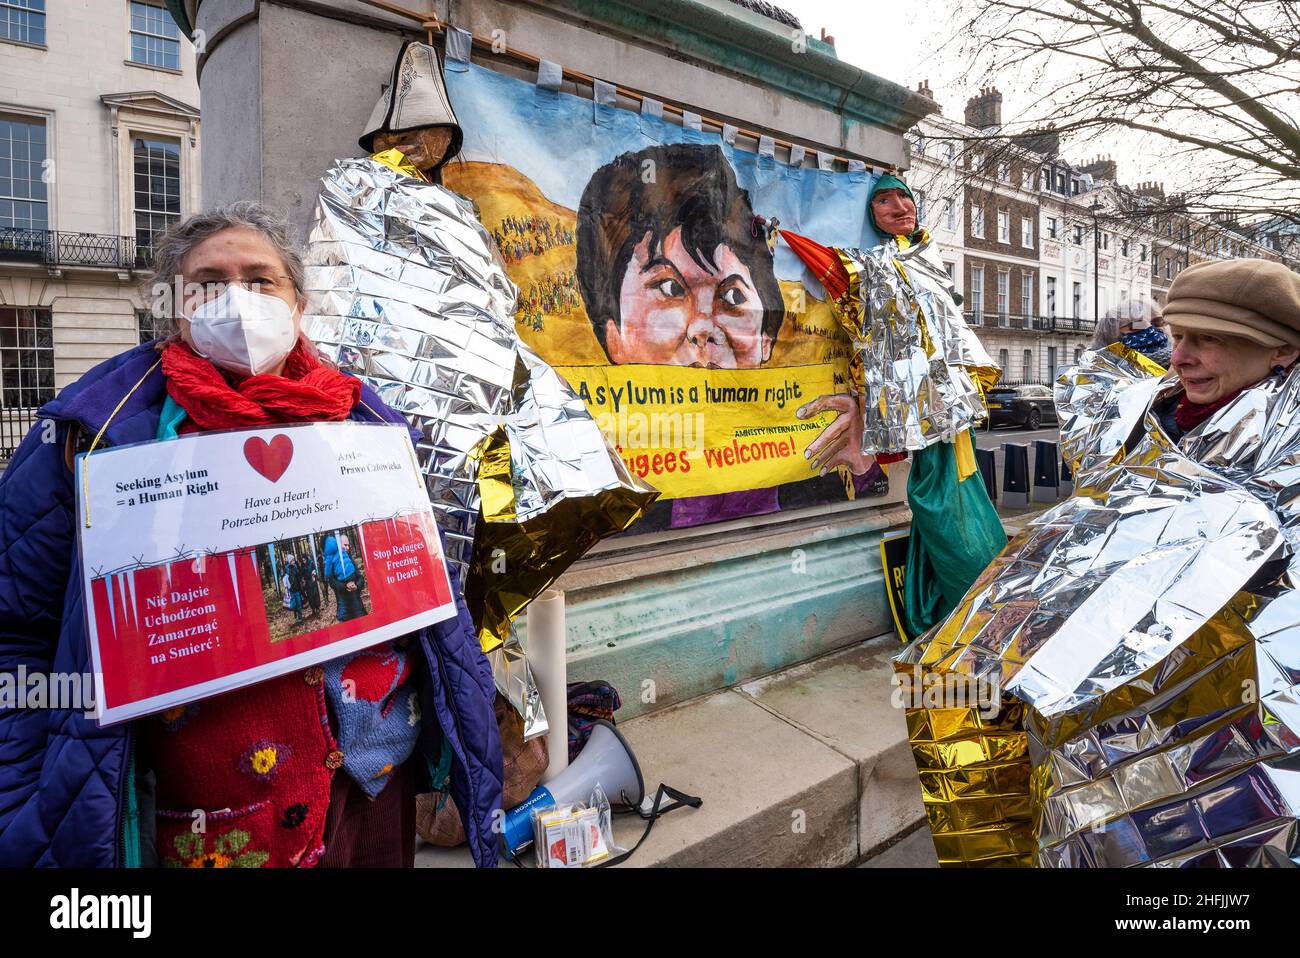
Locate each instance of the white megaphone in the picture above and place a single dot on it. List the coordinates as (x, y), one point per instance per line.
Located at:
(606, 760)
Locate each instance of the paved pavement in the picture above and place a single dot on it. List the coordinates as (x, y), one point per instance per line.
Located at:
(831, 783)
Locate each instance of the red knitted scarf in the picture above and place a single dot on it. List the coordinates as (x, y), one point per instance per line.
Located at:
(1189, 415)
(308, 391)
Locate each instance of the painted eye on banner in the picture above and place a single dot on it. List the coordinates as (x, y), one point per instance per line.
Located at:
(734, 296)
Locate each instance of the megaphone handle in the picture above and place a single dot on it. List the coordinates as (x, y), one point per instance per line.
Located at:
(680, 800)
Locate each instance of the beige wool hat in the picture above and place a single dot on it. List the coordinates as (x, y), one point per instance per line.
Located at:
(1255, 299)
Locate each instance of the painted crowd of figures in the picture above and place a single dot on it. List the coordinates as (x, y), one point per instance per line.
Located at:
(554, 294)
(520, 236)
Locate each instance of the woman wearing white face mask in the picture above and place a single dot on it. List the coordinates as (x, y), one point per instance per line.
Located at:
(303, 772)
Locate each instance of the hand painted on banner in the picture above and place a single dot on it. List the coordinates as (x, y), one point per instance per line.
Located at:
(841, 442)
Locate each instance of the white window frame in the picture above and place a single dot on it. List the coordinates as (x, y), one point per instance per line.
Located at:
(950, 214)
(37, 17)
(46, 122)
(1026, 232)
(1004, 296)
(977, 222)
(135, 211)
(977, 292)
(1004, 226)
(1027, 294)
(165, 38)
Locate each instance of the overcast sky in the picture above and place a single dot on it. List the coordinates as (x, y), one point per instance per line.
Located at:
(897, 40)
(911, 41)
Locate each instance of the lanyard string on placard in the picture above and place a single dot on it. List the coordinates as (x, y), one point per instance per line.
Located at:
(85, 466)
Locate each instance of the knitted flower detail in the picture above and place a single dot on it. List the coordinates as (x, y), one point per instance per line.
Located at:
(228, 852)
(263, 759)
(175, 719)
(294, 815)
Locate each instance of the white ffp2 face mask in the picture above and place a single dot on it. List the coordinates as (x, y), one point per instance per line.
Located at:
(243, 331)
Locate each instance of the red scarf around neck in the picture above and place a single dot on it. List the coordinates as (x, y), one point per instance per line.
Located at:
(1188, 415)
(308, 391)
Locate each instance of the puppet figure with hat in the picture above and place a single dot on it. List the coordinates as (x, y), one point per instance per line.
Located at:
(919, 376)
(409, 294)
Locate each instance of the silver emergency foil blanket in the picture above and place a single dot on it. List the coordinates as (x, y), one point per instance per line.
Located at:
(1152, 627)
(922, 379)
(407, 294)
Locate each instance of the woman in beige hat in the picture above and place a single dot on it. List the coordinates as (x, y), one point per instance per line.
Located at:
(1234, 323)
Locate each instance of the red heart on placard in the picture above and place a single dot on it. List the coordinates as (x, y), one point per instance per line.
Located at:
(272, 458)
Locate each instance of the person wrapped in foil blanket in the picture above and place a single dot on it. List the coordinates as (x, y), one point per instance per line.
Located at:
(1119, 687)
(919, 374)
(409, 294)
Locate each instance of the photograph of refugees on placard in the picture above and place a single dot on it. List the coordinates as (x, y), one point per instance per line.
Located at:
(311, 582)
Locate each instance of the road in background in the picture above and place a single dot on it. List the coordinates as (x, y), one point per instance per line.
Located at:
(994, 440)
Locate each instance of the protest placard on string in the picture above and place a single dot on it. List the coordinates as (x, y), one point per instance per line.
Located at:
(214, 561)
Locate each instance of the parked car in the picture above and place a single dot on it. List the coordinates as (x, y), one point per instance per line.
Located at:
(1025, 406)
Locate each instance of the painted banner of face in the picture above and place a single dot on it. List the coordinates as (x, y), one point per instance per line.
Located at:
(670, 268)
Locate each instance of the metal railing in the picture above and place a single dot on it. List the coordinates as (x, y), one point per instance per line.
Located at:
(15, 423)
(1024, 321)
(1066, 324)
(62, 248)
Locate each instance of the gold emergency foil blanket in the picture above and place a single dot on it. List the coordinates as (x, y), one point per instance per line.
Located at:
(974, 772)
(407, 293)
(577, 495)
(1150, 630)
(922, 369)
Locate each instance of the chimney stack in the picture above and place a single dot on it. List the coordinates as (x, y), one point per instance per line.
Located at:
(984, 112)
(1102, 168)
(1045, 141)
(827, 39)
